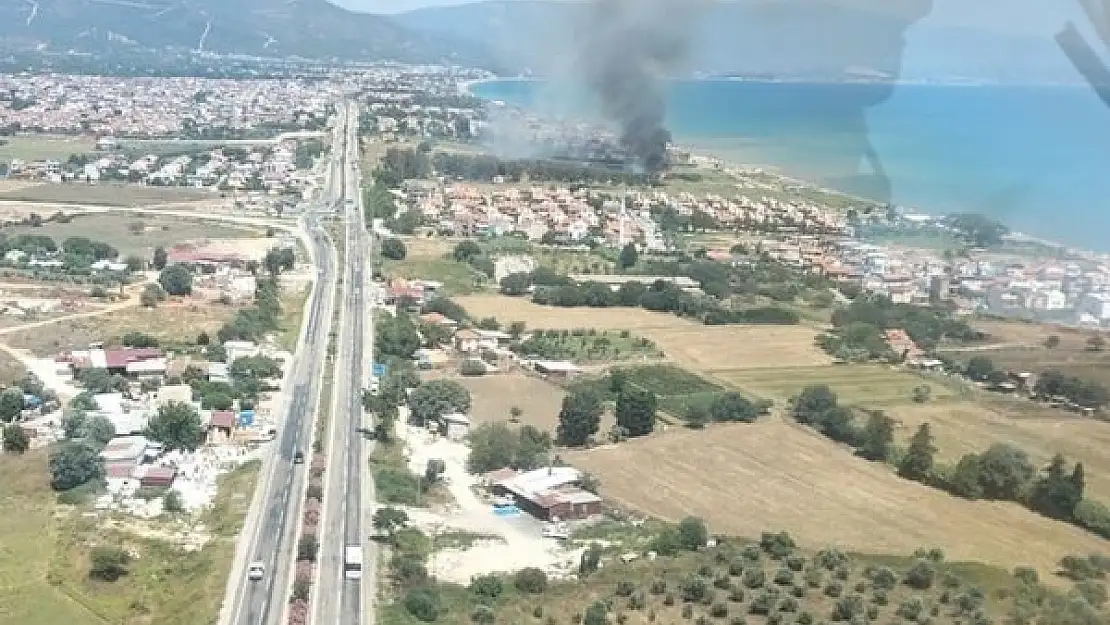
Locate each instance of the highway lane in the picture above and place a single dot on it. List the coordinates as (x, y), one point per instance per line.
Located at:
(262, 602)
(339, 600)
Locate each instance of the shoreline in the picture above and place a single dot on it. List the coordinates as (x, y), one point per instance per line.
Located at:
(782, 176)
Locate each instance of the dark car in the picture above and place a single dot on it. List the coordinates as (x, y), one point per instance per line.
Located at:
(298, 458)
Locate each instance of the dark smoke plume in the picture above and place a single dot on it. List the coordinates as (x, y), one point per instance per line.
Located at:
(627, 50)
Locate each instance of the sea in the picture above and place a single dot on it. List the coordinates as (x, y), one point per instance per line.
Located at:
(1035, 157)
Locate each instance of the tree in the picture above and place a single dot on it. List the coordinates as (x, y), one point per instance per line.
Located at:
(922, 393)
(917, 463)
(735, 407)
(109, 563)
(73, 420)
(692, 533)
(1005, 471)
(516, 284)
(98, 430)
(530, 580)
(697, 417)
(596, 614)
(75, 463)
(11, 404)
(516, 329)
(979, 368)
(964, 479)
(171, 501)
(466, 251)
(160, 258)
(590, 560)
(628, 256)
(532, 449)
(492, 446)
(388, 520)
(151, 295)
(307, 547)
(176, 280)
(1056, 494)
(437, 398)
(16, 440)
(1052, 342)
(877, 437)
(394, 249)
(177, 426)
(579, 418)
(636, 411)
(423, 604)
(811, 405)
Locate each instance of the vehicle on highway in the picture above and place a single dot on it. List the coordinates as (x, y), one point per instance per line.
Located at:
(256, 571)
(298, 457)
(352, 562)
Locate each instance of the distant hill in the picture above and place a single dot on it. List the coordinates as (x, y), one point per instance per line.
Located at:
(271, 28)
(806, 38)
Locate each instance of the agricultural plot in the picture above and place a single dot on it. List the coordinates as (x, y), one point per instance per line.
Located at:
(867, 385)
(105, 194)
(589, 346)
(38, 147)
(510, 309)
(494, 397)
(744, 479)
(712, 348)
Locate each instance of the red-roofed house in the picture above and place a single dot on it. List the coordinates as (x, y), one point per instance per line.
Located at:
(221, 424)
(134, 361)
(902, 345)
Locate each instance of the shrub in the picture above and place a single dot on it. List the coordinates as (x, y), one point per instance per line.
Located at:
(798, 591)
(658, 586)
(951, 580)
(842, 573)
(718, 610)
(784, 577)
(736, 567)
(774, 618)
(831, 559)
(625, 588)
(860, 587)
(489, 586)
(724, 582)
(795, 563)
(883, 577)
(805, 618)
(538, 613)
(668, 599)
(694, 588)
(530, 580)
(483, 615)
(872, 612)
(754, 578)
(911, 608)
(1078, 569)
(778, 546)
(705, 570)
(847, 608)
(789, 604)
(637, 600)
(109, 563)
(423, 604)
(751, 553)
(762, 604)
(687, 611)
(738, 620)
(834, 589)
(813, 577)
(879, 597)
(736, 595)
(920, 575)
(692, 533)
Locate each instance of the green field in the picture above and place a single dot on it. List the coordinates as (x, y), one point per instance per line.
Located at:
(865, 385)
(40, 147)
(584, 346)
(134, 234)
(457, 278)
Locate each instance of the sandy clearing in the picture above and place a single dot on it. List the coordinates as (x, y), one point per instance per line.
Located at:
(775, 475)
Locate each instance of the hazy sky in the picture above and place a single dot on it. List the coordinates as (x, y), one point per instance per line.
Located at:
(1014, 16)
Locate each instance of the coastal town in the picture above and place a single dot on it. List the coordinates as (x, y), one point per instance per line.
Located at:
(502, 357)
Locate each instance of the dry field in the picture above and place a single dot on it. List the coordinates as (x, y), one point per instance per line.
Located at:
(170, 322)
(510, 309)
(967, 427)
(745, 479)
(495, 395)
(1032, 334)
(716, 348)
(104, 194)
(11, 370)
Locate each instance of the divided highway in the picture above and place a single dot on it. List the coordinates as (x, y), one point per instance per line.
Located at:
(282, 482)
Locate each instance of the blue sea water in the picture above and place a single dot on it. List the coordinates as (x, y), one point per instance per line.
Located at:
(1036, 157)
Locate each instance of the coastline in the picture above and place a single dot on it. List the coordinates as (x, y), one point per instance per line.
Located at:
(782, 174)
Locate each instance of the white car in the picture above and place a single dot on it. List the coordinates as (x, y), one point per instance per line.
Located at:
(256, 571)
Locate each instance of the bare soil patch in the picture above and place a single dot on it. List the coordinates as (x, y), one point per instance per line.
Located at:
(744, 479)
(711, 348)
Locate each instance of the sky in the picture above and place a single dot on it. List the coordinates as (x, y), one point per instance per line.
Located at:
(1024, 16)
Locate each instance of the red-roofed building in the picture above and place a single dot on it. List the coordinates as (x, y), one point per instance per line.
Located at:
(221, 424)
(134, 361)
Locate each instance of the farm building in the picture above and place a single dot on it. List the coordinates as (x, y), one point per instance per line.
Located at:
(556, 368)
(129, 361)
(550, 494)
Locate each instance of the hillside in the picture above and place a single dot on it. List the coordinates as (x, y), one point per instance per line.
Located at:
(804, 38)
(305, 28)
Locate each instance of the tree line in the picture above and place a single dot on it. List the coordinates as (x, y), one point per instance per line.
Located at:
(660, 296)
(858, 333)
(1049, 386)
(1001, 472)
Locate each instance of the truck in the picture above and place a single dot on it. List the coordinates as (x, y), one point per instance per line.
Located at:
(352, 562)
